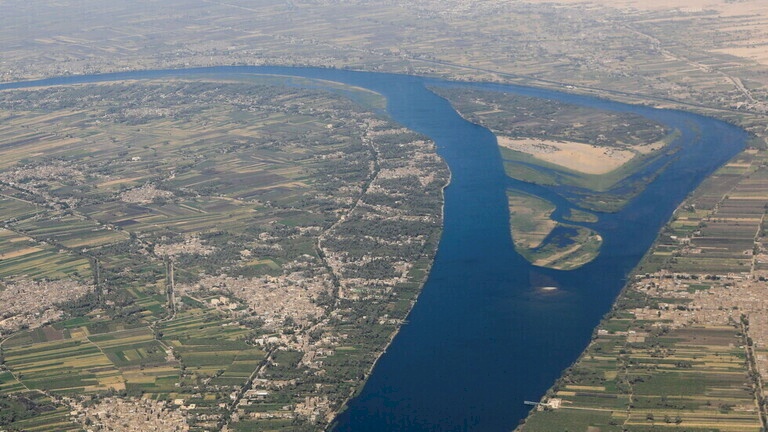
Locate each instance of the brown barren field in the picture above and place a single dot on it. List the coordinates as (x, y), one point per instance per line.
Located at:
(584, 158)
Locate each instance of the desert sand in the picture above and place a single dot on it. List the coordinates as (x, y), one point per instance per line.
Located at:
(576, 156)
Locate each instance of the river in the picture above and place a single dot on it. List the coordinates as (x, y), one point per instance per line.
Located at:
(483, 337)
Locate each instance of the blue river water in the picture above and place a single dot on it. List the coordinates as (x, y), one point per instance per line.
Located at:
(483, 337)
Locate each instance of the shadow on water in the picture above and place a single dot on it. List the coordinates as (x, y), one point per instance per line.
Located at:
(489, 329)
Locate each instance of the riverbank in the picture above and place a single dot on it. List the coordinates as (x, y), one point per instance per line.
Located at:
(478, 287)
(684, 346)
(271, 206)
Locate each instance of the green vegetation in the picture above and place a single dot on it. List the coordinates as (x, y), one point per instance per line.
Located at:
(565, 147)
(613, 50)
(545, 242)
(678, 351)
(33, 411)
(529, 219)
(566, 248)
(671, 378)
(576, 215)
(593, 139)
(704, 59)
(193, 231)
(530, 117)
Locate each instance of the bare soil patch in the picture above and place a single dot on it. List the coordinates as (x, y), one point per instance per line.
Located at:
(580, 157)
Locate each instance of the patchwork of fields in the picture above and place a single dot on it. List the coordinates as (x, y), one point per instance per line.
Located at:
(150, 231)
(206, 252)
(684, 347)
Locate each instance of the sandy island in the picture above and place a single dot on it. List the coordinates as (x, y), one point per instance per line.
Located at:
(576, 156)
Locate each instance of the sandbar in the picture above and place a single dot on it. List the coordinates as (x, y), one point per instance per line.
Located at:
(576, 156)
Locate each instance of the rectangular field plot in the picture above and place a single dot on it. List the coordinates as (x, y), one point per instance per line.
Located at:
(692, 378)
(71, 232)
(20, 255)
(212, 347)
(50, 416)
(69, 365)
(13, 209)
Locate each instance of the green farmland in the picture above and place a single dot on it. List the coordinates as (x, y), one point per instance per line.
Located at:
(173, 249)
(684, 346)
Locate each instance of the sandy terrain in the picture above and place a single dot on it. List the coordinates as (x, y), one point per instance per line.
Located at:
(649, 148)
(754, 48)
(725, 7)
(584, 158)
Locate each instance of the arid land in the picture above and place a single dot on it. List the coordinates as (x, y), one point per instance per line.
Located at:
(576, 156)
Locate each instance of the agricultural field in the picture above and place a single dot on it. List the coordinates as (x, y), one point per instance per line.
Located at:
(684, 346)
(715, 232)
(691, 378)
(145, 206)
(678, 53)
(204, 251)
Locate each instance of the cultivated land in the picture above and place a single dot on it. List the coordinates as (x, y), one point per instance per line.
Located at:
(204, 253)
(685, 346)
(708, 56)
